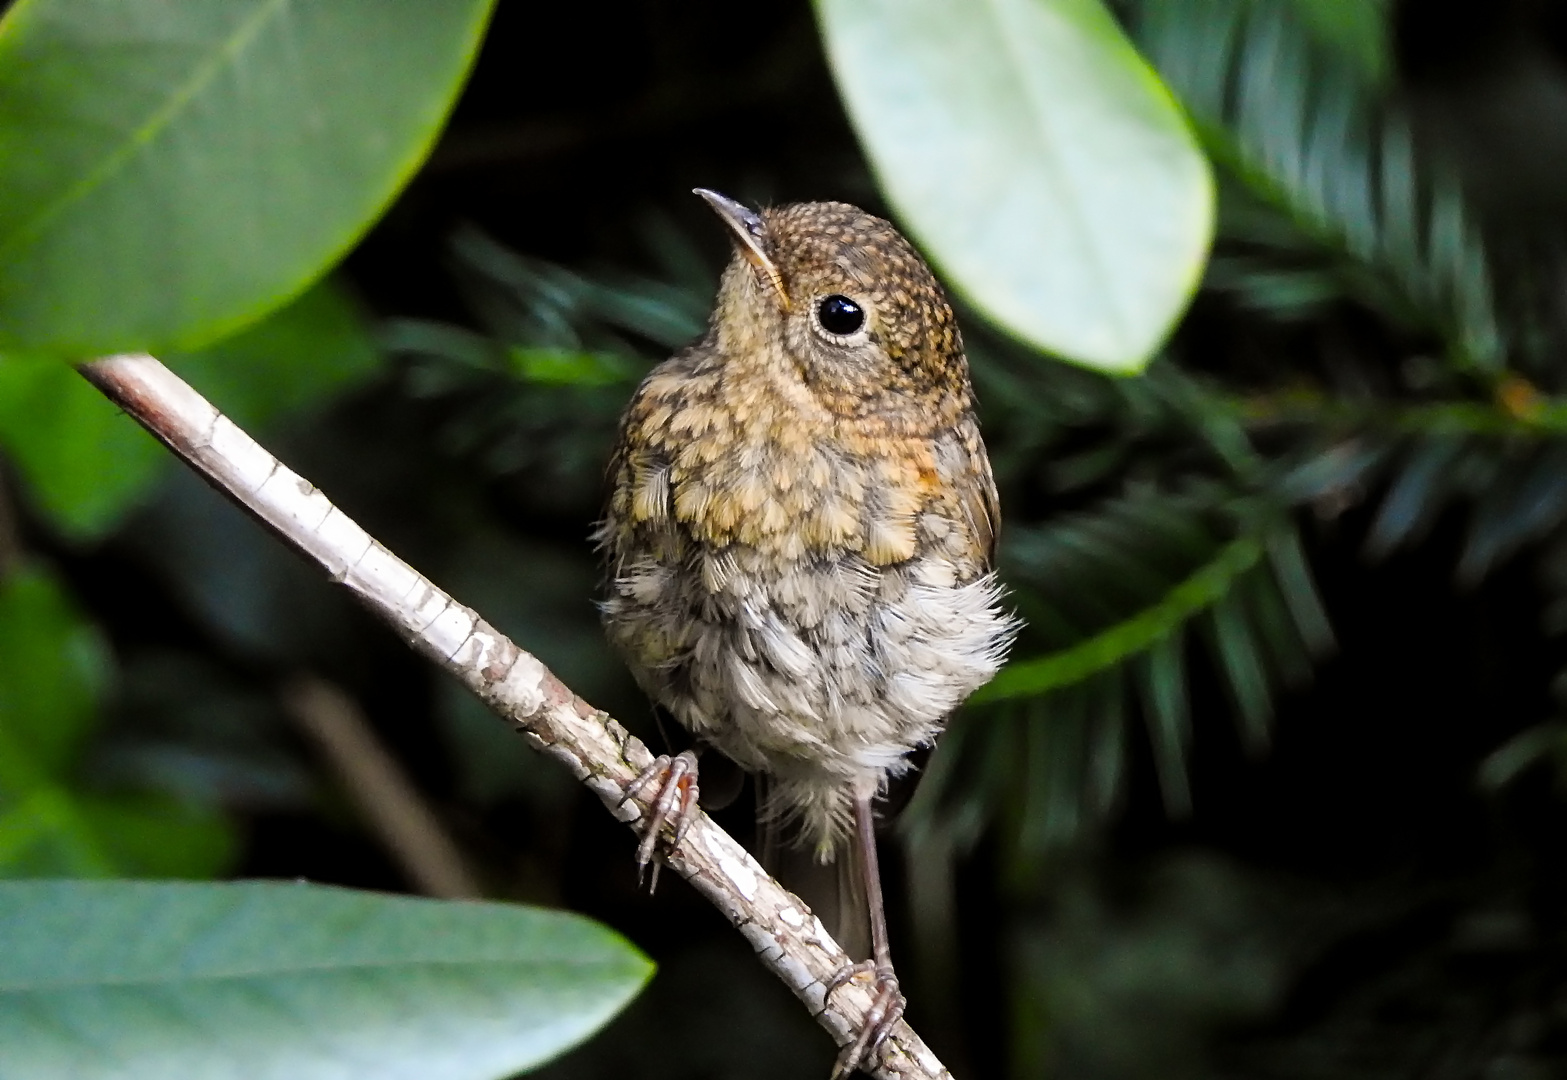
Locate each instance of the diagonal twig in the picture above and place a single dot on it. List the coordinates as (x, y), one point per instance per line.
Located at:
(598, 751)
(377, 785)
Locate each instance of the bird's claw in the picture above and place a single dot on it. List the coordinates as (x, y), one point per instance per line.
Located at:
(674, 803)
(886, 1010)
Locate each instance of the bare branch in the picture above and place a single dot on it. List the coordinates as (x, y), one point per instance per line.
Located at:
(379, 787)
(599, 752)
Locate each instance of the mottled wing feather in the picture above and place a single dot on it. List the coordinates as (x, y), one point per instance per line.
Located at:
(978, 493)
(629, 454)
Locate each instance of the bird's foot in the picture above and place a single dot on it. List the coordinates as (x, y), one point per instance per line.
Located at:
(674, 803)
(885, 1012)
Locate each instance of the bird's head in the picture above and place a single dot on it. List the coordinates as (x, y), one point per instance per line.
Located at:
(846, 299)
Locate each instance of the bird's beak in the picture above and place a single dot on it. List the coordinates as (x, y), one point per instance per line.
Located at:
(750, 234)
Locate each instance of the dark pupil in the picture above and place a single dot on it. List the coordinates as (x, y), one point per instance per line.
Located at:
(840, 315)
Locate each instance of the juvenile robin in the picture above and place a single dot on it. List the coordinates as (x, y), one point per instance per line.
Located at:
(800, 534)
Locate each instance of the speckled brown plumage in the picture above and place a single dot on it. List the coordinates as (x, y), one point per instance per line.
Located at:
(799, 537)
(801, 524)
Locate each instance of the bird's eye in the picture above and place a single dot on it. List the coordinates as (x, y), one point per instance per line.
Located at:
(840, 315)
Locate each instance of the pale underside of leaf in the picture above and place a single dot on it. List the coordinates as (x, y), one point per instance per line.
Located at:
(1039, 161)
(122, 979)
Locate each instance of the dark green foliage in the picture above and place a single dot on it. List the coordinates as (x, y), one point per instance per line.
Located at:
(540, 392)
(54, 668)
(1325, 194)
(1185, 491)
(1273, 785)
(1352, 367)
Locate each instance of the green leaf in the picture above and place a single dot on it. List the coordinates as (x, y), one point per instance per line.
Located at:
(83, 462)
(1038, 158)
(1139, 633)
(121, 979)
(1356, 29)
(1519, 507)
(1162, 678)
(1529, 747)
(1417, 494)
(1054, 743)
(157, 836)
(1106, 765)
(294, 358)
(169, 172)
(44, 834)
(569, 367)
(1237, 652)
(53, 666)
(1326, 166)
(55, 832)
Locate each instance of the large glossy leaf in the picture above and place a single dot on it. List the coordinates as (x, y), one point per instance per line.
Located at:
(1037, 158)
(293, 982)
(170, 171)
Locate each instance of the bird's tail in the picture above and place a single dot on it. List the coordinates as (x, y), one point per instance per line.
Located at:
(834, 889)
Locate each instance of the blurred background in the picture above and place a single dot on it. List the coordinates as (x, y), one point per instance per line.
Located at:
(1275, 788)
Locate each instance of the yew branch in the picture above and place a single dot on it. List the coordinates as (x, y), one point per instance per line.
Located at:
(599, 752)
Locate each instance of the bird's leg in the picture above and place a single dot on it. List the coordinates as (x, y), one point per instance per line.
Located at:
(887, 1008)
(675, 804)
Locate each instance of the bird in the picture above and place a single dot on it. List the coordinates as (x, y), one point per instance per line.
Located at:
(800, 537)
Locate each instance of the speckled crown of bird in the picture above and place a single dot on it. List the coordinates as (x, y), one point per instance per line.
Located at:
(807, 252)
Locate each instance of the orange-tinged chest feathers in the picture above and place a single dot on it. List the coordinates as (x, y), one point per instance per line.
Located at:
(740, 451)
